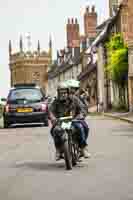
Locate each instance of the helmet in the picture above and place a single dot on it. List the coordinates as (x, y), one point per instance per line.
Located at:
(71, 83)
(73, 86)
(63, 85)
(63, 91)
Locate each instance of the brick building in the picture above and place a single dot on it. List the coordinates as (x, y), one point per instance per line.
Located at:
(69, 63)
(74, 38)
(73, 33)
(29, 66)
(90, 22)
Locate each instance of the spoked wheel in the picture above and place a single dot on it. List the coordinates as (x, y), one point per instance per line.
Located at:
(75, 154)
(67, 156)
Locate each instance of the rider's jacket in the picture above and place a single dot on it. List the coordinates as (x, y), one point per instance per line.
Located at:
(59, 108)
(79, 110)
(72, 106)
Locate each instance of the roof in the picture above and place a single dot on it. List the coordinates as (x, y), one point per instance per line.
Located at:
(101, 37)
(102, 25)
(87, 71)
(57, 69)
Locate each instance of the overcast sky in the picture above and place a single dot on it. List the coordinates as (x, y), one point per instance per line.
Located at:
(40, 18)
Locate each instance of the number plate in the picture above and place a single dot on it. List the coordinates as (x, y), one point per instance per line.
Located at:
(24, 110)
(66, 125)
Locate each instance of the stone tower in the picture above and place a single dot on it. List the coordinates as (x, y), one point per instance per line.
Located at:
(90, 22)
(29, 66)
(50, 48)
(73, 34)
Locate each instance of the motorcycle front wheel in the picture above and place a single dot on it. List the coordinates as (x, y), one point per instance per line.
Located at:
(67, 156)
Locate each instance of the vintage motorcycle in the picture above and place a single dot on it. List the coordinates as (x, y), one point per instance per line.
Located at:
(67, 140)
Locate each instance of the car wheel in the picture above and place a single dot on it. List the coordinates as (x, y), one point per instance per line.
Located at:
(46, 123)
(6, 123)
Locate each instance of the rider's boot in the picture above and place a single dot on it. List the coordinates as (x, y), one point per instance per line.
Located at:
(85, 152)
(58, 155)
(81, 154)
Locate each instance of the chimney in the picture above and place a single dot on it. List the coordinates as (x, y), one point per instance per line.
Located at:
(90, 22)
(21, 44)
(73, 34)
(10, 48)
(38, 46)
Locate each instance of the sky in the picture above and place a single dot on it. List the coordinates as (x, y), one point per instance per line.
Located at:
(40, 18)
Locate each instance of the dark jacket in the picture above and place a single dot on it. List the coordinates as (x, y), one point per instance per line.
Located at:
(59, 108)
(72, 106)
(78, 108)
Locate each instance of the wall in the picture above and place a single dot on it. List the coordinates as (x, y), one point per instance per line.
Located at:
(29, 68)
(71, 73)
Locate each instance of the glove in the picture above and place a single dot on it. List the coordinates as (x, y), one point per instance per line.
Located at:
(54, 121)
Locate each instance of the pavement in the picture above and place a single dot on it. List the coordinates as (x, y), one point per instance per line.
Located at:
(1, 122)
(127, 117)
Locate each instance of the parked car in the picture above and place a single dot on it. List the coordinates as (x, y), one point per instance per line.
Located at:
(25, 103)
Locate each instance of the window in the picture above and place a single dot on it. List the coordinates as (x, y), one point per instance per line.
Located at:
(36, 76)
(26, 93)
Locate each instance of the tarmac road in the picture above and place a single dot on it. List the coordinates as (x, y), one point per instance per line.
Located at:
(28, 170)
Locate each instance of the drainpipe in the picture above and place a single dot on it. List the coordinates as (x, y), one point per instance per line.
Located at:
(97, 88)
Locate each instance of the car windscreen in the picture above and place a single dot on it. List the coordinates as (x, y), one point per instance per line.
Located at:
(28, 94)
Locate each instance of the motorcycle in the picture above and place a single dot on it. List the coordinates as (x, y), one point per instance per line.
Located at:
(67, 141)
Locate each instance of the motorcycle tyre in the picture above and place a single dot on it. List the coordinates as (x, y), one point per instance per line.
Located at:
(67, 156)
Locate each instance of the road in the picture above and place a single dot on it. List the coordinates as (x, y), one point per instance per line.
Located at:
(28, 170)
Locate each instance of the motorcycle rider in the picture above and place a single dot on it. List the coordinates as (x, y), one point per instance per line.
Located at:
(66, 104)
(79, 112)
(58, 109)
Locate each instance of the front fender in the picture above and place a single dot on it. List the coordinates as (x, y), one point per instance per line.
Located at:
(59, 135)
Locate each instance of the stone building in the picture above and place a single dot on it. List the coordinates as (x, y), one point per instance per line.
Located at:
(29, 66)
(120, 22)
(124, 24)
(128, 18)
(88, 77)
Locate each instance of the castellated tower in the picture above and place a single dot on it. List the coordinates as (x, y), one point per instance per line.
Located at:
(90, 22)
(73, 34)
(29, 66)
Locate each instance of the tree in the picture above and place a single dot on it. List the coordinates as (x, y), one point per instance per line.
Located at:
(117, 66)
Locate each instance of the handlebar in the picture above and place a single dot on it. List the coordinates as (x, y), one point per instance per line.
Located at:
(65, 118)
